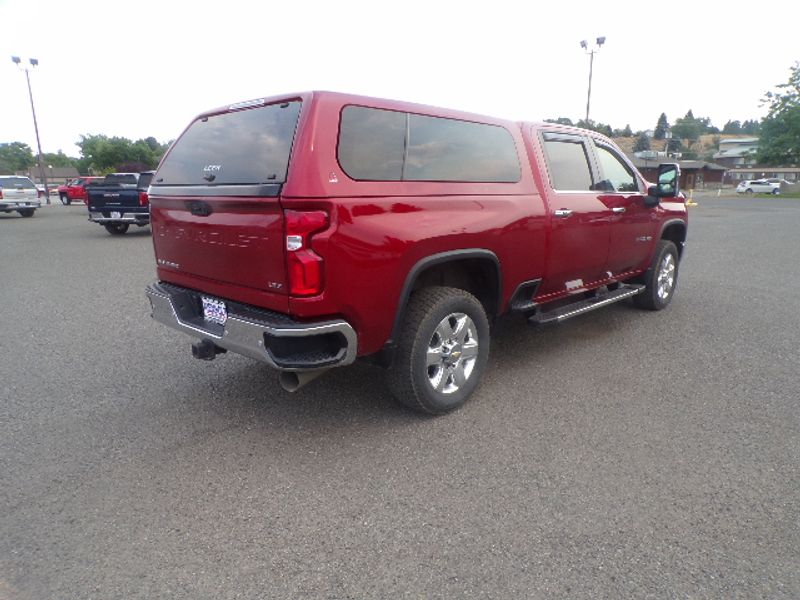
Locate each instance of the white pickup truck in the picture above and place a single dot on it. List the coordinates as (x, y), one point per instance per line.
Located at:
(18, 194)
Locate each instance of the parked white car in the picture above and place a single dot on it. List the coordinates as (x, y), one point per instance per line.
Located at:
(18, 194)
(758, 186)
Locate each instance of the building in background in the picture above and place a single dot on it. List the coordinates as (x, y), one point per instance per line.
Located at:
(737, 152)
(695, 174)
(55, 175)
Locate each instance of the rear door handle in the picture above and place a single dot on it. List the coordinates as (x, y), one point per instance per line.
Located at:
(563, 212)
(618, 209)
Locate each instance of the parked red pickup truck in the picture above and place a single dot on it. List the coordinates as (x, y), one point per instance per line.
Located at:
(75, 189)
(311, 229)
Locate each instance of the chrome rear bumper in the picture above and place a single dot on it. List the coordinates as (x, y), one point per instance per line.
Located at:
(266, 336)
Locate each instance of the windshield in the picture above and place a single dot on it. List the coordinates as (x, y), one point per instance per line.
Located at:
(249, 146)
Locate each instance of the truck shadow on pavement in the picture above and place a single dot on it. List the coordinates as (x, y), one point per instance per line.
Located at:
(358, 393)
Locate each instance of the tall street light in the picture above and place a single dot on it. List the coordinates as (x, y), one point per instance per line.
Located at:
(591, 51)
(34, 63)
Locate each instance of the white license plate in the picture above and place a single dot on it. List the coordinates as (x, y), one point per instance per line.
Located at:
(214, 310)
(116, 215)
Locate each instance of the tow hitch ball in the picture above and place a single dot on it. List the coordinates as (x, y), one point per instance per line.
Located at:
(206, 350)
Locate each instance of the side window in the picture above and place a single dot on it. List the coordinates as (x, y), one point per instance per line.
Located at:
(449, 150)
(616, 174)
(568, 165)
(383, 145)
(372, 143)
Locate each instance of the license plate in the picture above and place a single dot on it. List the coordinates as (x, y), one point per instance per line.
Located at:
(214, 310)
(116, 215)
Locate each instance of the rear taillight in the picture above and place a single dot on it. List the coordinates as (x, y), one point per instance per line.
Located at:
(305, 266)
(1, 193)
(143, 199)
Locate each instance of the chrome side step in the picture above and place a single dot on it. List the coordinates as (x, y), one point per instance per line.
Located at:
(562, 313)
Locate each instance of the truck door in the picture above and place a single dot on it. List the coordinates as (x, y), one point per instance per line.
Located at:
(633, 225)
(579, 221)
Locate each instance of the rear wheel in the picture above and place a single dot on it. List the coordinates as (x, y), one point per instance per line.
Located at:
(116, 228)
(26, 212)
(660, 279)
(442, 350)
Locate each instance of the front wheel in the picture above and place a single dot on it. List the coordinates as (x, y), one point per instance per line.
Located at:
(64, 199)
(442, 350)
(660, 279)
(116, 228)
(749, 191)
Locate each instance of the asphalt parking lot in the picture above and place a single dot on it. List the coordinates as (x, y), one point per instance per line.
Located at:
(623, 454)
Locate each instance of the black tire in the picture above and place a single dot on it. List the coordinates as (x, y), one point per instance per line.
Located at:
(461, 357)
(660, 279)
(116, 228)
(26, 212)
(64, 199)
(749, 191)
(775, 192)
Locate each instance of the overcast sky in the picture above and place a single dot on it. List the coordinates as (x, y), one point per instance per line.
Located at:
(138, 69)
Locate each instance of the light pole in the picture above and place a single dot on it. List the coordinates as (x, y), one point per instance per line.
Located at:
(34, 63)
(591, 51)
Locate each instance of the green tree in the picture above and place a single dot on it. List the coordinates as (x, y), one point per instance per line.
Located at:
(627, 132)
(779, 142)
(691, 127)
(688, 128)
(732, 128)
(58, 159)
(15, 156)
(662, 126)
(598, 127)
(751, 127)
(103, 154)
(560, 121)
(642, 143)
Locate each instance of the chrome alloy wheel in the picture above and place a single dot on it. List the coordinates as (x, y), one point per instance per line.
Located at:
(666, 276)
(452, 353)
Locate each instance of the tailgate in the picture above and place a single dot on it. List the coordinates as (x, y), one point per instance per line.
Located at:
(112, 197)
(228, 239)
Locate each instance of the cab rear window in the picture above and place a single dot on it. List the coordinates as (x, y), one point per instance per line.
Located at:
(250, 146)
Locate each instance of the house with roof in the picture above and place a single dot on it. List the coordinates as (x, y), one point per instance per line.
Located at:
(695, 174)
(55, 175)
(737, 152)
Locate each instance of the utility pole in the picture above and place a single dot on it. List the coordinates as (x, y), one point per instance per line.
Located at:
(591, 52)
(34, 63)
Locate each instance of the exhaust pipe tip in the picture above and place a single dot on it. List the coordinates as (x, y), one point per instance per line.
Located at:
(291, 381)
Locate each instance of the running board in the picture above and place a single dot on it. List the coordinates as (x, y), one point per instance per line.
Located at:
(562, 313)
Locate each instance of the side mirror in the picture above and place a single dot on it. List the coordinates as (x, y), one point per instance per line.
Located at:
(669, 175)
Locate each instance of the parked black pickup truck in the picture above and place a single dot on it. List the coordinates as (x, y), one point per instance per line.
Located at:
(119, 201)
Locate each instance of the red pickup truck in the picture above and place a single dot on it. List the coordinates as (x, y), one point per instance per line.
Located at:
(311, 229)
(75, 189)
